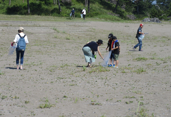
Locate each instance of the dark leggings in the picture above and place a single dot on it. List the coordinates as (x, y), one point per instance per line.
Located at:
(19, 54)
(83, 16)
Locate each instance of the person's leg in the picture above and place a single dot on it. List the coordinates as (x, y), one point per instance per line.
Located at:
(17, 59)
(140, 42)
(137, 44)
(110, 61)
(22, 60)
(114, 62)
(83, 16)
(116, 59)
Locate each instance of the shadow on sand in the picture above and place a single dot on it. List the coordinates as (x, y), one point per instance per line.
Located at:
(133, 50)
(11, 68)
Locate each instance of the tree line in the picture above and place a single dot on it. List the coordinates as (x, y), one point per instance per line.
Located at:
(139, 8)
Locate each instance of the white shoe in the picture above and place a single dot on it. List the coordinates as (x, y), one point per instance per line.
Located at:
(116, 67)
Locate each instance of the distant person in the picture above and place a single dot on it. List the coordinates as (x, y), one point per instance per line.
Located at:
(139, 33)
(89, 51)
(115, 50)
(73, 13)
(84, 13)
(110, 36)
(21, 40)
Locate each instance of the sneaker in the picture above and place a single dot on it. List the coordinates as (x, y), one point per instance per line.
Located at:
(117, 67)
(109, 65)
(133, 48)
(113, 65)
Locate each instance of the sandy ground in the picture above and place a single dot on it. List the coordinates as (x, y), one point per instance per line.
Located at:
(55, 83)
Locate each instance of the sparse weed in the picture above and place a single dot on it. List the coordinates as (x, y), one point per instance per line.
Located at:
(141, 59)
(67, 38)
(1, 73)
(76, 100)
(140, 70)
(47, 105)
(26, 102)
(129, 97)
(129, 102)
(65, 96)
(84, 68)
(56, 30)
(93, 102)
(99, 69)
(3, 97)
(64, 65)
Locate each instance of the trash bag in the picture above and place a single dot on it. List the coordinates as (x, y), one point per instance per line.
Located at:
(141, 37)
(106, 59)
(81, 15)
(12, 49)
(70, 14)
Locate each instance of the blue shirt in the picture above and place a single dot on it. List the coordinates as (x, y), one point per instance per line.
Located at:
(139, 30)
(73, 11)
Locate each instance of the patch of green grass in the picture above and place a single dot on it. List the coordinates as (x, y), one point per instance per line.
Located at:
(93, 102)
(129, 102)
(76, 100)
(15, 97)
(65, 96)
(3, 97)
(99, 69)
(62, 116)
(129, 97)
(141, 59)
(143, 113)
(56, 30)
(140, 70)
(84, 68)
(52, 68)
(123, 71)
(1, 73)
(118, 101)
(64, 65)
(47, 105)
(137, 92)
(72, 84)
(26, 102)
(67, 38)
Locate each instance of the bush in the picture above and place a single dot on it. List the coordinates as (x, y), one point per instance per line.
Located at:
(17, 9)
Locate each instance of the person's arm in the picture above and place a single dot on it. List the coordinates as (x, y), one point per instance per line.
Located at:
(115, 48)
(26, 40)
(140, 32)
(99, 52)
(107, 47)
(15, 40)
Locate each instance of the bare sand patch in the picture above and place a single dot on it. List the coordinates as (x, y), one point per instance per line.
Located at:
(55, 82)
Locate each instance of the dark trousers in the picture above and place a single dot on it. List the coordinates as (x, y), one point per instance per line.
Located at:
(84, 16)
(19, 54)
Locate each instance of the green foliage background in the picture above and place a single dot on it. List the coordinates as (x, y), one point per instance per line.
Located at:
(98, 8)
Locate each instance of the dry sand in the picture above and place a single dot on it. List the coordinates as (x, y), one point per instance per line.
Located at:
(55, 83)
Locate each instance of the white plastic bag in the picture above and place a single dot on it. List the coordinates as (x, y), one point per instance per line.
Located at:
(81, 15)
(106, 59)
(12, 49)
(70, 14)
(141, 37)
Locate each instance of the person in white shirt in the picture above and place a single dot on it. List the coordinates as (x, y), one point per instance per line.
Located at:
(84, 13)
(20, 53)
